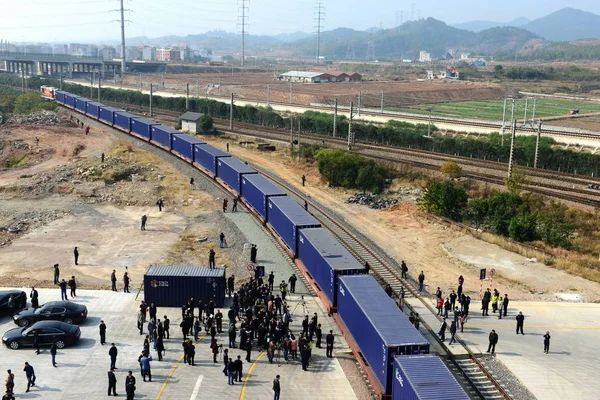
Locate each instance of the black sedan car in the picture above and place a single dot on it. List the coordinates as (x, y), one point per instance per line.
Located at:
(19, 301)
(67, 311)
(49, 332)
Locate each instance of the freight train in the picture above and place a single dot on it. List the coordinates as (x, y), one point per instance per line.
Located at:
(393, 353)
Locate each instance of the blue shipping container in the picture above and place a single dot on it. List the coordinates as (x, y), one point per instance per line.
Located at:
(107, 114)
(206, 156)
(286, 217)
(60, 96)
(172, 286)
(326, 260)
(184, 145)
(424, 378)
(162, 135)
(377, 325)
(70, 99)
(257, 189)
(142, 126)
(123, 120)
(93, 109)
(81, 103)
(230, 170)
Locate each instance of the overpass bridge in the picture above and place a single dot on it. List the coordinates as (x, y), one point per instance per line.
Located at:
(68, 65)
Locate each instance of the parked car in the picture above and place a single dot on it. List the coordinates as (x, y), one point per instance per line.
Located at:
(67, 311)
(19, 298)
(61, 333)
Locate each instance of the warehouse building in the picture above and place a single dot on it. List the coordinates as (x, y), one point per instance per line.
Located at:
(320, 77)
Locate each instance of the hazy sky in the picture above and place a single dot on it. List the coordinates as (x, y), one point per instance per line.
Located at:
(87, 20)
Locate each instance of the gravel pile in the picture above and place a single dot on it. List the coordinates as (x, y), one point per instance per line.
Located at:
(40, 118)
(506, 379)
(372, 200)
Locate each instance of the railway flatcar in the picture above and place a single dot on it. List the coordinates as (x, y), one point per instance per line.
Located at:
(48, 92)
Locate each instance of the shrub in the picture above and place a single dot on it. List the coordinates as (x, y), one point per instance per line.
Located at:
(445, 199)
(349, 170)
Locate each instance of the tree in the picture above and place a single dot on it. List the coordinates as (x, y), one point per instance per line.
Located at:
(498, 68)
(515, 183)
(477, 212)
(445, 199)
(31, 102)
(452, 169)
(206, 123)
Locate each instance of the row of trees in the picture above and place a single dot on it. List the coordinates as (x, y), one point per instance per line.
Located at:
(504, 213)
(393, 133)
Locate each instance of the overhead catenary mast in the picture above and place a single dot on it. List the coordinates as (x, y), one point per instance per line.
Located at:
(320, 15)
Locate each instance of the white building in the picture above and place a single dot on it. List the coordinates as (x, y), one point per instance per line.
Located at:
(424, 56)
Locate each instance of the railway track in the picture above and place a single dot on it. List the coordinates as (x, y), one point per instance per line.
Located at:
(470, 370)
(395, 154)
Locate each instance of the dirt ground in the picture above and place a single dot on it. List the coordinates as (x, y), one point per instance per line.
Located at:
(442, 253)
(591, 123)
(60, 195)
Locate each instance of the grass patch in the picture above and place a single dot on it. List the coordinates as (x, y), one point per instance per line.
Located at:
(189, 251)
(14, 162)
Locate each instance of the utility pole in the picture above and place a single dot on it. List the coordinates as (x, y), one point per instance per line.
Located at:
(268, 94)
(22, 80)
(350, 138)
(187, 97)
(92, 84)
(335, 117)
(292, 130)
(525, 116)
(512, 115)
(60, 84)
(533, 114)
(512, 148)
(504, 116)
(231, 113)
(123, 62)
(198, 87)
(291, 91)
(140, 79)
(151, 93)
(320, 15)
(382, 101)
(429, 123)
(537, 143)
(99, 87)
(243, 23)
(359, 94)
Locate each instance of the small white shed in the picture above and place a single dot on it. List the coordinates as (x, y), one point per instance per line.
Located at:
(190, 122)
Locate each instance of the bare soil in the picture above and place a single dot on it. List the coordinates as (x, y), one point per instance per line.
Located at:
(407, 234)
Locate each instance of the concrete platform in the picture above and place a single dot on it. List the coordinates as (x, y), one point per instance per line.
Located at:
(82, 370)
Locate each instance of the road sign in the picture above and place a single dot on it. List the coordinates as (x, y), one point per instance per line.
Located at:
(259, 271)
(482, 274)
(251, 267)
(492, 272)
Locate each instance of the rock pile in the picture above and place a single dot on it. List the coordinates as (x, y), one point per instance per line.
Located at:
(45, 118)
(372, 200)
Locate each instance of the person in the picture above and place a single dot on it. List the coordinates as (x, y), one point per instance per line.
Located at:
(283, 290)
(305, 205)
(547, 342)
(304, 357)
(219, 320)
(36, 341)
(126, 282)
(130, 385)
(113, 280)
(230, 285)
(329, 345)
(10, 381)
(144, 220)
(76, 254)
(152, 310)
(215, 349)
(113, 355)
(494, 302)
(303, 180)
(230, 372)
(30, 374)
(87, 129)
(367, 267)
(520, 320)
(271, 280)
(463, 318)
(453, 297)
(160, 348)
(191, 183)
(417, 320)
(421, 280)
(292, 282)
(276, 388)
(227, 146)
(144, 360)
(56, 273)
(35, 303)
(191, 350)
(102, 328)
(221, 240)
(73, 286)
(239, 365)
(63, 290)
(234, 205)
(319, 334)
(53, 350)
(500, 301)
(452, 332)
(225, 202)
(166, 326)
(438, 293)
(211, 259)
(442, 332)
(196, 328)
(493, 341)
(253, 251)
(160, 203)
(485, 305)
(447, 307)
(102, 158)
(505, 304)
(8, 396)
(388, 290)
(248, 347)
(404, 269)
(112, 382)
(439, 305)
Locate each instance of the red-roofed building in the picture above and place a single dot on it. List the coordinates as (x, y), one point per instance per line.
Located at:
(340, 76)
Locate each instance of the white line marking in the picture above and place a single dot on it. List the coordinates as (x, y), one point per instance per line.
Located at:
(197, 388)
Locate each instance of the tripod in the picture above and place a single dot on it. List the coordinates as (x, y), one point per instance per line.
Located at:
(304, 308)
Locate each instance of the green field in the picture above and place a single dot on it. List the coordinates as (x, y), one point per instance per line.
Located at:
(492, 109)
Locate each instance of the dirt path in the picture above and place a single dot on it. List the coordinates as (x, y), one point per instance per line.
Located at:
(406, 235)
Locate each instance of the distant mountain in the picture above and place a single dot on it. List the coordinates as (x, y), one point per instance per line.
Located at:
(566, 25)
(216, 40)
(292, 37)
(478, 26)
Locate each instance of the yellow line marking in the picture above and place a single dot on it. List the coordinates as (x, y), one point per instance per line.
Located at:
(243, 392)
(591, 328)
(164, 385)
(562, 305)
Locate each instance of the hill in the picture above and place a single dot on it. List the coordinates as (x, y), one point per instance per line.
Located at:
(478, 26)
(566, 25)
